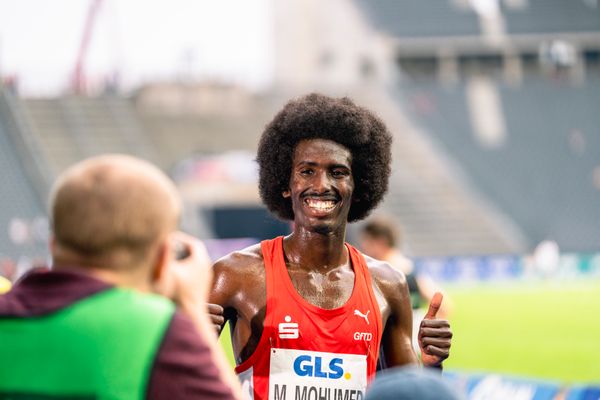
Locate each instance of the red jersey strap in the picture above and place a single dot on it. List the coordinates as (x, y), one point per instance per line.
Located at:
(360, 267)
(271, 257)
(269, 252)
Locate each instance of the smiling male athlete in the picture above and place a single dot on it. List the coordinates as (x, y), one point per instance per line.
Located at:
(308, 311)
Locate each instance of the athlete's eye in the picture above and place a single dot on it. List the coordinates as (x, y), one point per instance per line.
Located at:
(306, 172)
(340, 173)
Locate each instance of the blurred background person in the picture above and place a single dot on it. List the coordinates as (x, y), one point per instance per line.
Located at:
(381, 239)
(546, 258)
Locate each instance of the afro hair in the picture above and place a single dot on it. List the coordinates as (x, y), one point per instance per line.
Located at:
(316, 116)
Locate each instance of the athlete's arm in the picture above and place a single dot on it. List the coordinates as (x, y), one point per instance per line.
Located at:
(238, 295)
(224, 286)
(397, 334)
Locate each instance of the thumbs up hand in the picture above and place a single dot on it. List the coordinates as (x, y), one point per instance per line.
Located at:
(435, 336)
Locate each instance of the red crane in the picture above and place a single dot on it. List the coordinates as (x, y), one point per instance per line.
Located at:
(78, 82)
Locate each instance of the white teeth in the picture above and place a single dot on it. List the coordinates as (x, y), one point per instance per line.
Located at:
(321, 205)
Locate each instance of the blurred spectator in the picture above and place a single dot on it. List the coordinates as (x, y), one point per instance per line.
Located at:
(380, 239)
(546, 258)
(410, 383)
(103, 334)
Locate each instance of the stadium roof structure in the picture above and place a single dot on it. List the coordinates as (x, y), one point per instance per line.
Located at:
(435, 18)
(425, 27)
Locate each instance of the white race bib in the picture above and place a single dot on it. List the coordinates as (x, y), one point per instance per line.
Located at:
(315, 375)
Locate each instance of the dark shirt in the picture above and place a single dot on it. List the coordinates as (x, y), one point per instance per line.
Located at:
(183, 366)
(416, 300)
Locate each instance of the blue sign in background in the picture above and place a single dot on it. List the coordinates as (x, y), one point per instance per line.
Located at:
(493, 386)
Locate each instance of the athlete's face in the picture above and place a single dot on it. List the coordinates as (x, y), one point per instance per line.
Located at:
(321, 185)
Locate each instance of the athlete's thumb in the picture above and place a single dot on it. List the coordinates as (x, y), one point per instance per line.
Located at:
(434, 305)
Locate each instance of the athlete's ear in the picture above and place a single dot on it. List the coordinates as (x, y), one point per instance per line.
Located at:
(286, 193)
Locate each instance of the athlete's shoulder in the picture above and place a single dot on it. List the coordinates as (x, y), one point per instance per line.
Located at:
(241, 261)
(237, 272)
(391, 283)
(384, 274)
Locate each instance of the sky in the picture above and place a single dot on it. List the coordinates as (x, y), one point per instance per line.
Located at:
(140, 40)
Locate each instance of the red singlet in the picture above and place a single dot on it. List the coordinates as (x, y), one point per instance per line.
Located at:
(307, 352)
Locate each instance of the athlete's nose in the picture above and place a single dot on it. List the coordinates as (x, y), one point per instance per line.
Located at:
(321, 182)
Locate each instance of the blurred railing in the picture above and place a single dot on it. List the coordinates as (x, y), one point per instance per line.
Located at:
(494, 386)
(32, 158)
(507, 267)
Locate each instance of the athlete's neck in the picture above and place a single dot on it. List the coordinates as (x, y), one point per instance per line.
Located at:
(315, 251)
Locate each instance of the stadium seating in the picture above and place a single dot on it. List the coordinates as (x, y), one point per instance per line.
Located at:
(537, 176)
(417, 18)
(447, 18)
(22, 214)
(440, 212)
(552, 16)
(70, 128)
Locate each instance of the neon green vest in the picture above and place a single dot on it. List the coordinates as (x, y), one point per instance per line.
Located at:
(102, 347)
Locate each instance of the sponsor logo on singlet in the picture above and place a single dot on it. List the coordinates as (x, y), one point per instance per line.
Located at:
(307, 365)
(288, 329)
(365, 316)
(363, 336)
(306, 375)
